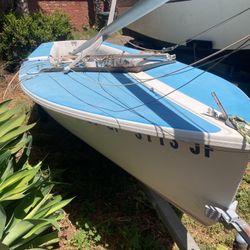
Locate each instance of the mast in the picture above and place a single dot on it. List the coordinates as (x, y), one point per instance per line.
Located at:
(112, 12)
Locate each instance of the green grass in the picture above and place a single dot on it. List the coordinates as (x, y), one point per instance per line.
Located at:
(86, 238)
(87, 33)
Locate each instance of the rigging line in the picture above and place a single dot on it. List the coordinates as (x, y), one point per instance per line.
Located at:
(216, 25)
(81, 100)
(94, 90)
(168, 49)
(167, 94)
(133, 111)
(176, 72)
(157, 127)
(140, 82)
(27, 68)
(138, 106)
(149, 120)
(183, 85)
(221, 58)
(120, 85)
(102, 108)
(205, 58)
(123, 105)
(201, 60)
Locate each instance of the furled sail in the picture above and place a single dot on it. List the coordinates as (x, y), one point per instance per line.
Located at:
(140, 9)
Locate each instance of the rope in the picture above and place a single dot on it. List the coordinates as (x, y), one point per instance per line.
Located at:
(9, 84)
(242, 126)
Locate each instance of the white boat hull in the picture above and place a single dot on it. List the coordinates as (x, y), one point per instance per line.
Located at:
(187, 174)
(155, 127)
(178, 22)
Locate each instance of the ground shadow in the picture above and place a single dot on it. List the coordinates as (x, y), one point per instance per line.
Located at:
(106, 197)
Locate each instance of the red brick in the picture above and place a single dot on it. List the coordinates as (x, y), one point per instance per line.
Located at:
(76, 10)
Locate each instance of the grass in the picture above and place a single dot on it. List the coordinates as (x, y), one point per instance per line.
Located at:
(87, 33)
(110, 210)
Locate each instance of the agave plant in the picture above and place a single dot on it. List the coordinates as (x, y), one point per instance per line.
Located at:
(28, 210)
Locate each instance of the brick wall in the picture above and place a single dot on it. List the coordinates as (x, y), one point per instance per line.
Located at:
(77, 10)
(81, 12)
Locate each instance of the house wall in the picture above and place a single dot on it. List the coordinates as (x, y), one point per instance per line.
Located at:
(77, 10)
(81, 12)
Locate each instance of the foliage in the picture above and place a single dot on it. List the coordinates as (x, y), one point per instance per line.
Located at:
(85, 238)
(22, 33)
(27, 207)
(87, 33)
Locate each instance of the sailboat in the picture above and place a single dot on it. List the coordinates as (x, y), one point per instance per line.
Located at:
(191, 25)
(166, 123)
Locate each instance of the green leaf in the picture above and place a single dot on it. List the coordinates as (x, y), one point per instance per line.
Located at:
(35, 241)
(14, 133)
(24, 227)
(19, 177)
(47, 239)
(221, 247)
(11, 124)
(47, 207)
(18, 144)
(25, 206)
(18, 231)
(7, 171)
(38, 206)
(11, 112)
(2, 221)
(43, 225)
(4, 156)
(26, 152)
(58, 206)
(3, 247)
(4, 106)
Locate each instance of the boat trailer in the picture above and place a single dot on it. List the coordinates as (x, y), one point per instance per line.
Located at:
(229, 218)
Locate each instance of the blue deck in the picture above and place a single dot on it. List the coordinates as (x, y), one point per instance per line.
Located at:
(94, 93)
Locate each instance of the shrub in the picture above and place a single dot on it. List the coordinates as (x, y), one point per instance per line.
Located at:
(22, 33)
(27, 208)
